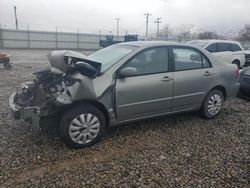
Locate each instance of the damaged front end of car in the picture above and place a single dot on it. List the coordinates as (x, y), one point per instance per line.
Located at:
(56, 87)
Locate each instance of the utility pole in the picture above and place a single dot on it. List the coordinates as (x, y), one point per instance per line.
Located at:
(147, 17)
(157, 21)
(16, 17)
(117, 27)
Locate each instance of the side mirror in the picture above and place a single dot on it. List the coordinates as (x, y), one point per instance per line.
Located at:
(128, 72)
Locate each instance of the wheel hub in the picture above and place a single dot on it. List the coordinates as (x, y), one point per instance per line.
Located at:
(214, 104)
(84, 128)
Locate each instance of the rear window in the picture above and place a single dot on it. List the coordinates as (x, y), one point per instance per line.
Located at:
(235, 47)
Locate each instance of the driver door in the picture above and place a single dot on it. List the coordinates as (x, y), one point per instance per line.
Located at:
(150, 91)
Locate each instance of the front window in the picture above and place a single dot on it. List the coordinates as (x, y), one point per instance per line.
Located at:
(212, 48)
(111, 55)
(151, 61)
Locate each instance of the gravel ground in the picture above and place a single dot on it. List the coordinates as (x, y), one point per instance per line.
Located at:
(178, 151)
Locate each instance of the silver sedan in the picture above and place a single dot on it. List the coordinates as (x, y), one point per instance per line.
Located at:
(123, 83)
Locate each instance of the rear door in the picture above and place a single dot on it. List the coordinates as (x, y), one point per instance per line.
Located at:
(150, 91)
(193, 75)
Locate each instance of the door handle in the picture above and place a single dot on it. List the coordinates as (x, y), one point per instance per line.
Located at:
(166, 79)
(207, 73)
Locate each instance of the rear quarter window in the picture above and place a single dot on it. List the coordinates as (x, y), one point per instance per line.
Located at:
(235, 47)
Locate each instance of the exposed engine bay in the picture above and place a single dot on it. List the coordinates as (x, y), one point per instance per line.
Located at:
(56, 86)
(44, 89)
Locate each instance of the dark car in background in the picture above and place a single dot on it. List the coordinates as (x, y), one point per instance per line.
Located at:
(245, 81)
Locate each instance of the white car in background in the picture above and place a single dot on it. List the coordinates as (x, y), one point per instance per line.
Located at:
(225, 50)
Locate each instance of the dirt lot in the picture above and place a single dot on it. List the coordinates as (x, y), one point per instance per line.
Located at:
(179, 151)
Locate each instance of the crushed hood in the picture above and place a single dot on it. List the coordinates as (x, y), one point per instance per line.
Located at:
(63, 59)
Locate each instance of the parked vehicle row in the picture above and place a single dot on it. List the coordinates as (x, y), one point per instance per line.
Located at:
(122, 83)
(228, 51)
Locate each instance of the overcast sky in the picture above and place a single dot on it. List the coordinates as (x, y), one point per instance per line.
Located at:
(99, 15)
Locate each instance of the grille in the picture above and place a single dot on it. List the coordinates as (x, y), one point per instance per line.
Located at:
(247, 55)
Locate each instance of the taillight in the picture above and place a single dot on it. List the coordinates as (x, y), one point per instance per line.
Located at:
(237, 72)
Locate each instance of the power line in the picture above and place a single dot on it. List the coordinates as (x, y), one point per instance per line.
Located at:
(147, 17)
(157, 21)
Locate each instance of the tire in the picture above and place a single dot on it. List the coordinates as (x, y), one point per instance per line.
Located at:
(237, 63)
(82, 126)
(212, 104)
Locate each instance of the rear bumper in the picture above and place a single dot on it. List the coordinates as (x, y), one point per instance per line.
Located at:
(33, 113)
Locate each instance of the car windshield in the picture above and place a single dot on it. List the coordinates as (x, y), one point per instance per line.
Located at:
(198, 43)
(111, 55)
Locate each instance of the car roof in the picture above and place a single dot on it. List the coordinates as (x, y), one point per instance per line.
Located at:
(215, 41)
(152, 43)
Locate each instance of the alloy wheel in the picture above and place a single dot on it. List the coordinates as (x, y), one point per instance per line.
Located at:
(214, 104)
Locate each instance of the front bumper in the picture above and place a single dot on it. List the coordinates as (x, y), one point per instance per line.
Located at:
(33, 113)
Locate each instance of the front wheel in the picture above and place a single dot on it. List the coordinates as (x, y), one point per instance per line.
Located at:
(82, 126)
(212, 104)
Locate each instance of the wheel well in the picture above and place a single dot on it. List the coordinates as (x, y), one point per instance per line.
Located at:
(237, 62)
(222, 89)
(94, 103)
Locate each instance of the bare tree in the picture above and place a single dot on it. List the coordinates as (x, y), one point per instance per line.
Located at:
(208, 35)
(183, 35)
(165, 32)
(244, 34)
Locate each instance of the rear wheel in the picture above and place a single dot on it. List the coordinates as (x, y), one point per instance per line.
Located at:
(82, 126)
(237, 63)
(212, 104)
